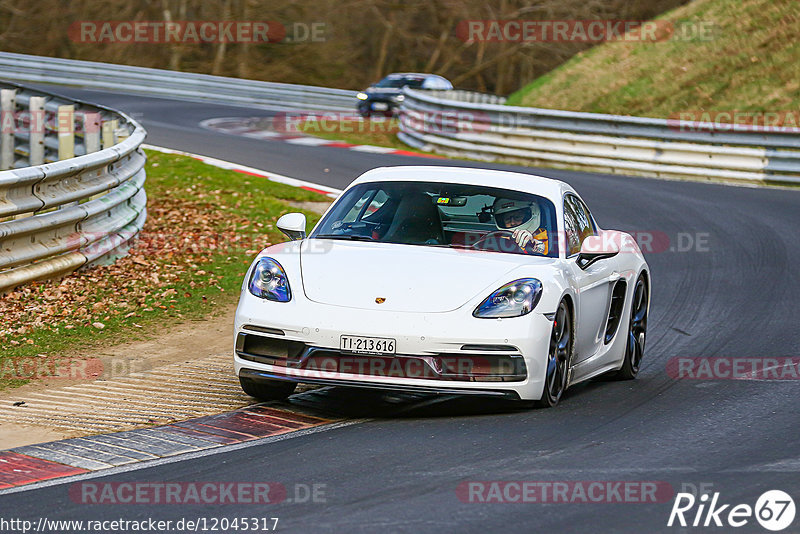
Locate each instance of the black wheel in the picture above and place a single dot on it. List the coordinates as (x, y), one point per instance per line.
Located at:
(637, 333)
(559, 357)
(267, 389)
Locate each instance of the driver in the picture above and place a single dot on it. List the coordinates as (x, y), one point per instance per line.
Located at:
(522, 218)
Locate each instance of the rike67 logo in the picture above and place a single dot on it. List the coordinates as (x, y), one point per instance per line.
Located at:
(774, 510)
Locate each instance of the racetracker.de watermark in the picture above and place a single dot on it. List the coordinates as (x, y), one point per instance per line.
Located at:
(727, 368)
(43, 121)
(212, 493)
(565, 491)
(770, 121)
(583, 31)
(251, 242)
(52, 367)
(196, 32)
(432, 122)
(388, 367)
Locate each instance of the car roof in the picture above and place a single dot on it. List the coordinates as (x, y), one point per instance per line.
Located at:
(517, 181)
(408, 74)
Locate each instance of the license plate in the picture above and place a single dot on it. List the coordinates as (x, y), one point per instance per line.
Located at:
(367, 345)
(380, 106)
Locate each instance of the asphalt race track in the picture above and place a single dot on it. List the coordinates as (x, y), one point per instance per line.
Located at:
(732, 294)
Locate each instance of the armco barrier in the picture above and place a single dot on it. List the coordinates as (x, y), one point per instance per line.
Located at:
(463, 123)
(453, 123)
(71, 184)
(173, 84)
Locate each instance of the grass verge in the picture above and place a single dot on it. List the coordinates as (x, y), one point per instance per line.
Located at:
(719, 55)
(204, 227)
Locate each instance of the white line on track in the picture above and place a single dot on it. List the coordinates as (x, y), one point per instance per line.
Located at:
(373, 149)
(309, 141)
(261, 135)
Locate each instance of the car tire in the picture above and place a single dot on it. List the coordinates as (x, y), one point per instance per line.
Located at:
(637, 333)
(267, 389)
(559, 357)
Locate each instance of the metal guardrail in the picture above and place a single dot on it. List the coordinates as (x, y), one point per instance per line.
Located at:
(71, 184)
(472, 97)
(173, 84)
(451, 123)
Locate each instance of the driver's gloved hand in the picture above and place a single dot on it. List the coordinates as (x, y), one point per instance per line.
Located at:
(522, 237)
(525, 238)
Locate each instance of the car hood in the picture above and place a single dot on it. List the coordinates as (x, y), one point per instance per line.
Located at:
(409, 277)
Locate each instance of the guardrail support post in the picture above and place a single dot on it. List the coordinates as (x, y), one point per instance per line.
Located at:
(36, 107)
(8, 103)
(66, 132)
(110, 133)
(63, 229)
(91, 132)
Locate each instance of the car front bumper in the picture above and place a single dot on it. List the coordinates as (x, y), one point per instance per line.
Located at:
(451, 352)
(369, 105)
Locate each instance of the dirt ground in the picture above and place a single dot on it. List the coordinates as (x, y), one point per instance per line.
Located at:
(179, 372)
(190, 341)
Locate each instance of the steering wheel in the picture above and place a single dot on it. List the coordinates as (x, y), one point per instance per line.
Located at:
(498, 241)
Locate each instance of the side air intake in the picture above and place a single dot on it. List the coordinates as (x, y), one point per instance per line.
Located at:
(615, 313)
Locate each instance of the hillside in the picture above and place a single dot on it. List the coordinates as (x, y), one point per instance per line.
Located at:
(334, 43)
(749, 63)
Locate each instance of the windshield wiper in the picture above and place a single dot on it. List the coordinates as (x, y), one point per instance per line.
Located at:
(454, 245)
(345, 236)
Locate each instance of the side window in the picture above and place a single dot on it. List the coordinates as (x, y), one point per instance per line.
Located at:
(378, 201)
(571, 229)
(577, 222)
(590, 225)
(356, 209)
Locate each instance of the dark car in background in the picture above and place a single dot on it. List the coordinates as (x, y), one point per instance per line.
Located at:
(386, 96)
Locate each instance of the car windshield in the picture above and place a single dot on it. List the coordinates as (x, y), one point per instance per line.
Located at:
(400, 82)
(443, 215)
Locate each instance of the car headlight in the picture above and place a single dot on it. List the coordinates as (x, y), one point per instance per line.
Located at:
(362, 96)
(512, 300)
(269, 281)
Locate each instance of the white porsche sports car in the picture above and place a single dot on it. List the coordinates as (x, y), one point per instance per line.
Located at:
(444, 280)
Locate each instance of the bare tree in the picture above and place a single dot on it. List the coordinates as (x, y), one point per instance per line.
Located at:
(364, 39)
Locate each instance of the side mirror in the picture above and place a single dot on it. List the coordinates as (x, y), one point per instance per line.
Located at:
(293, 225)
(595, 248)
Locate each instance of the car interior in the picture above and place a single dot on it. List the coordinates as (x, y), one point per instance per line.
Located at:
(419, 215)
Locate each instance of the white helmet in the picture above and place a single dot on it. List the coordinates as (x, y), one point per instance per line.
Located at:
(512, 214)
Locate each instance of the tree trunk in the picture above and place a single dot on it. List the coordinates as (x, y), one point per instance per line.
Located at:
(243, 64)
(388, 23)
(219, 56)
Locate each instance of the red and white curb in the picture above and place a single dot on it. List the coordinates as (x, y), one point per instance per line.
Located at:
(244, 126)
(252, 171)
(76, 456)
